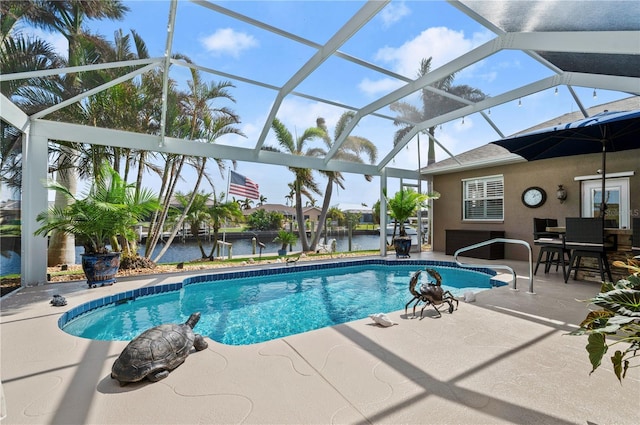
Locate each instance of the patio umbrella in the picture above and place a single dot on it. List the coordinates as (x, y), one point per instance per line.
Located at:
(604, 132)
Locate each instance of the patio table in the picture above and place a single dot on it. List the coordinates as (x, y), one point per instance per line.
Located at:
(621, 247)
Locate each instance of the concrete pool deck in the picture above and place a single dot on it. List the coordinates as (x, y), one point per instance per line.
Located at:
(502, 359)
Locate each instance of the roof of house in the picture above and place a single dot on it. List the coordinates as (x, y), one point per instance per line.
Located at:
(490, 155)
(281, 208)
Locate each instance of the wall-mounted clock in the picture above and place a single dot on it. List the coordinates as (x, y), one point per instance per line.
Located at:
(533, 197)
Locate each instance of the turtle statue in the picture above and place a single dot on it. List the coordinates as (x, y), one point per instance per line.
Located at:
(157, 351)
(58, 301)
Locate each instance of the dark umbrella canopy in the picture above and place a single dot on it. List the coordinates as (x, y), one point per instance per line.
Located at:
(604, 132)
(618, 131)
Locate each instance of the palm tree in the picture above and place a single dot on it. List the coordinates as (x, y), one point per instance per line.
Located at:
(19, 53)
(376, 212)
(290, 197)
(130, 105)
(106, 214)
(404, 204)
(261, 201)
(221, 212)
(351, 150)
(245, 204)
(198, 120)
(433, 105)
(66, 17)
(304, 183)
(197, 215)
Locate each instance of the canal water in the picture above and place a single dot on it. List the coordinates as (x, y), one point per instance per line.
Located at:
(188, 250)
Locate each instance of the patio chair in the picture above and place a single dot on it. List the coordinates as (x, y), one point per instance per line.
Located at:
(328, 248)
(552, 246)
(585, 238)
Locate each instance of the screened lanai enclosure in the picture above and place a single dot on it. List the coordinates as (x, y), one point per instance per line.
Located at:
(285, 59)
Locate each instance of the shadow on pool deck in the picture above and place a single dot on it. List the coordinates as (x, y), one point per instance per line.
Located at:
(504, 359)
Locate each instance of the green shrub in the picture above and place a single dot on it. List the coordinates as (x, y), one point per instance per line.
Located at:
(619, 319)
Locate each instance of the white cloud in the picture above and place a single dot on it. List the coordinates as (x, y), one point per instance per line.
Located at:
(229, 42)
(298, 114)
(488, 76)
(375, 88)
(440, 43)
(393, 13)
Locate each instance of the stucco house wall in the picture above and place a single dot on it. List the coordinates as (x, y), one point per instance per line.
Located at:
(518, 219)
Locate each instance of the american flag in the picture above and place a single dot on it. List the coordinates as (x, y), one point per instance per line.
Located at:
(243, 186)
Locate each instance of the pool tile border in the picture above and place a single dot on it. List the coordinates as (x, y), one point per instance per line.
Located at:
(169, 287)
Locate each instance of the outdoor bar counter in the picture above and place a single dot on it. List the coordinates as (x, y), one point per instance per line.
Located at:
(621, 251)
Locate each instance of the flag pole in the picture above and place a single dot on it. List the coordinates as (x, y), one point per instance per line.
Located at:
(224, 232)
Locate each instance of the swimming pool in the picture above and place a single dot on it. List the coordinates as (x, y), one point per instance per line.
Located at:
(247, 307)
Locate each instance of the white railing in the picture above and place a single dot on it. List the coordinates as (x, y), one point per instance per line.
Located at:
(500, 266)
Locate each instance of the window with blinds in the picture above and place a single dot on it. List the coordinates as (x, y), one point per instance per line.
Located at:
(483, 198)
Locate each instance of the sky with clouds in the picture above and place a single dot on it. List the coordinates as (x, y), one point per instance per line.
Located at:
(397, 38)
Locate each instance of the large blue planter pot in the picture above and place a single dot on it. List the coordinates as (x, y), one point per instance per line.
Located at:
(403, 246)
(101, 269)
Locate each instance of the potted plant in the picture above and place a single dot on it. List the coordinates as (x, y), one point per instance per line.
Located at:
(403, 205)
(285, 238)
(618, 319)
(102, 219)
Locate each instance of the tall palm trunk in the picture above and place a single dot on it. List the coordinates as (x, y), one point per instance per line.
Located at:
(62, 248)
(302, 230)
(169, 180)
(323, 214)
(216, 232)
(431, 152)
(178, 224)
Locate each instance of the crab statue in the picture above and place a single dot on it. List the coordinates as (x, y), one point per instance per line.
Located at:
(431, 293)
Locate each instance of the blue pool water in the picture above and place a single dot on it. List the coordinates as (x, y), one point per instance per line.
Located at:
(243, 308)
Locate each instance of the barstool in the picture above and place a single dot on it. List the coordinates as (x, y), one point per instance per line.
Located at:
(551, 244)
(585, 238)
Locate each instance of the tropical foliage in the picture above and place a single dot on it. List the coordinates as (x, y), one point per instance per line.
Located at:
(285, 238)
(264, 220)
(132, 105)
(352, 220)
(106, 214)
(207, 211)
(20, 53)
(405, 204)
(197, 215)
(352, 149)
(618, 319)
(222, 211)
(304, 184)
(196, 119)
(336, 215)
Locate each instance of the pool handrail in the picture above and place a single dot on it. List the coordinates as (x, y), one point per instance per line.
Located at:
(499, 266)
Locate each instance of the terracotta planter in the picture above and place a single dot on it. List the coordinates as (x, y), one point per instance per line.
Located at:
(101, 269)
